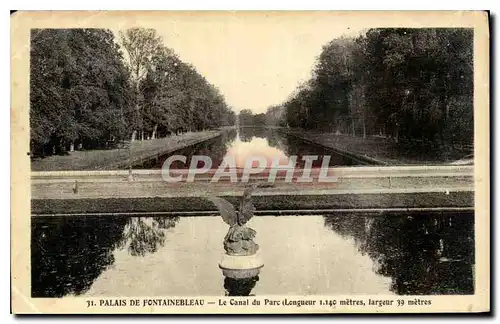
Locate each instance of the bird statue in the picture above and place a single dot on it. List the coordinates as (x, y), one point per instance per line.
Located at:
(239, 239)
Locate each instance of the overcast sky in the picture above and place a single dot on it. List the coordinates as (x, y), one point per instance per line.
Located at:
(258, 60)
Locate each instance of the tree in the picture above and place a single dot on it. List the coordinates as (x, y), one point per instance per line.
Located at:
(275, 116)
(173, 96)
(245, 118)
(334, 80)
(79, 90)
(82, 93)
(142, 46)
(414, 85)
(416, 75)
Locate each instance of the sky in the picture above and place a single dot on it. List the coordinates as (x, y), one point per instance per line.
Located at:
(257, 59)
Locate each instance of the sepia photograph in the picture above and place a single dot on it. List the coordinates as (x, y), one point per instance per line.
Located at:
(250, 162)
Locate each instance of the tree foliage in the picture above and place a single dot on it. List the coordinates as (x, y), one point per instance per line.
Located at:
(275, 116)
(247, 118)
(408, 84)
(79, 90)
(84, 91)
(171, 95)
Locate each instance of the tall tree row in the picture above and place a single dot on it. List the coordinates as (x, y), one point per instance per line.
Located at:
(79, 89)
(408, 84)
(170, 95)
(86, 93)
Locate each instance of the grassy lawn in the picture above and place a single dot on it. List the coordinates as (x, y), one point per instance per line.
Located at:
(119, 158)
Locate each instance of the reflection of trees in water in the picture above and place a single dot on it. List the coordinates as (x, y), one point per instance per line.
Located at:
(216, 148)
(423, 254)
(229, 136)
(143, 235)
(239, 287)
(293, 146)
(166, 222)
(277, 140)
(68, 254)
(247, 133)
(274, 138)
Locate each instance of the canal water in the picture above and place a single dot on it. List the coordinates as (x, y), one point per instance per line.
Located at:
(246, 142)
(407, 254)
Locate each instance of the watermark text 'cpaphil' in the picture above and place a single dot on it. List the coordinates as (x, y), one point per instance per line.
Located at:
(253, 167)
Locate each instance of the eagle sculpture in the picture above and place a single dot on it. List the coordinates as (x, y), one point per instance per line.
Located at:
(239, 238)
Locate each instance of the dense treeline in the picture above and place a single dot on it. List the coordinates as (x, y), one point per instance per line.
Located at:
(86, 93)
(79, 90)
(170, 95)
(274, 116)
(408, 84)
(247, 118)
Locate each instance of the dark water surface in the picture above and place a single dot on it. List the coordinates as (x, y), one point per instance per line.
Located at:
(252, 141)
(303, 255)
(342, 254)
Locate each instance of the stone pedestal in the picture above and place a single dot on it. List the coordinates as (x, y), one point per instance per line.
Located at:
(241, 266)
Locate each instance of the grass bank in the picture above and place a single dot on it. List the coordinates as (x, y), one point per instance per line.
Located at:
(381, 151)
(120, 158)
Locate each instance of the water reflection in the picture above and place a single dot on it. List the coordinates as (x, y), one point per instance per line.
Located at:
(240, 287)
(145, 234)
(254, 142)
(410, 254)
(68, 254)
(423, 254)
(272, 136)
(216, 148)
(246, 142)
(273, 143)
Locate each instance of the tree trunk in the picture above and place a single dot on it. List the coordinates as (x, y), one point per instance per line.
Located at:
(153, 136)
(138, 116)
(364, 127)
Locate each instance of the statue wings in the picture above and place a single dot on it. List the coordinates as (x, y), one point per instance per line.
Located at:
(229, 213)
(226, 209)
(246, 209)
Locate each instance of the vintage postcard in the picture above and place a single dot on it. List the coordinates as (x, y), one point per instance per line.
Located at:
(233, 162)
